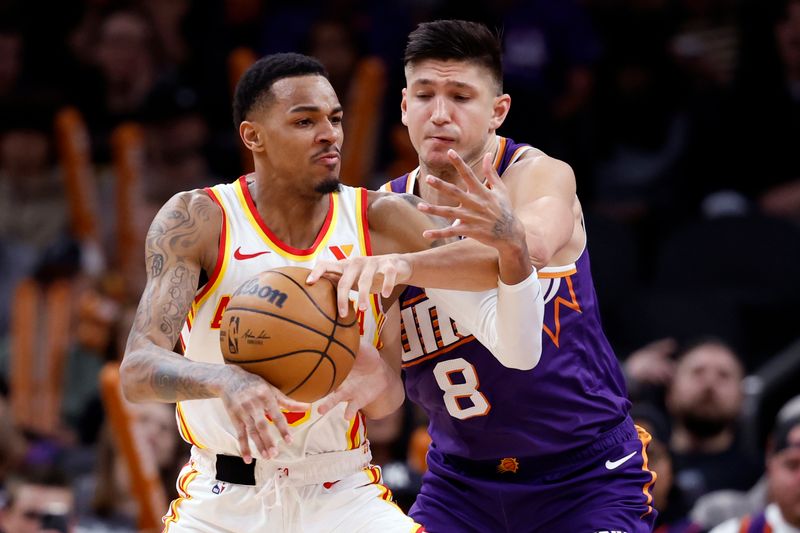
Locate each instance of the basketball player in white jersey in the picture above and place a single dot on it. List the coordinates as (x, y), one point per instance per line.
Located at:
(260, 460)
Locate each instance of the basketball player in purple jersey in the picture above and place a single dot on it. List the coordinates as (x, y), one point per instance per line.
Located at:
(516, 449)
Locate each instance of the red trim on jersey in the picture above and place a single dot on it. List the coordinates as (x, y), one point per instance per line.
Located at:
(274, 238)
(354, 432)
(220, 250)
(365, 221)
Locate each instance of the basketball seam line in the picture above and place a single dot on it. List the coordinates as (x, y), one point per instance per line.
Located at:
(295, 322)
(322, 357)
(271, 358)
(313, 301)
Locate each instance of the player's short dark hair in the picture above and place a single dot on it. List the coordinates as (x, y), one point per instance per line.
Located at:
(460, 40)
(254, 87)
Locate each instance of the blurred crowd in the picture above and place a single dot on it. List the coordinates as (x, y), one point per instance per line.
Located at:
(681, 119)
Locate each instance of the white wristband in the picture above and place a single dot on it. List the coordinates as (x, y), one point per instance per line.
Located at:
(506, 320)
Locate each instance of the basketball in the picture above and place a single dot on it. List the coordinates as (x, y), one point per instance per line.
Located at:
(290, 333)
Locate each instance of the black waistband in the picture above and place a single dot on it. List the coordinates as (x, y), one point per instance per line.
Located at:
(537, 466)
(233, 469)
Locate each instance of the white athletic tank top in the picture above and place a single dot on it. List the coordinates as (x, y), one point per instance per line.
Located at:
(247, 247)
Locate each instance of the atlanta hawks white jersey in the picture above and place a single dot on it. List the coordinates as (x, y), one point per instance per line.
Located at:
(247, 247)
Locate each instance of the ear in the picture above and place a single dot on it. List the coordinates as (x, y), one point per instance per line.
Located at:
(404, 109)
(500, 108)
(250, 133)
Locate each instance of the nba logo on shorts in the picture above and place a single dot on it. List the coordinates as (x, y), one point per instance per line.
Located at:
(219, 488)
(610, 531)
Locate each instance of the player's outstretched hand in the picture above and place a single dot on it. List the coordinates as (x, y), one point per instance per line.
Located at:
(363, 385)
(249, 400)
(482, 213)
(367, 275)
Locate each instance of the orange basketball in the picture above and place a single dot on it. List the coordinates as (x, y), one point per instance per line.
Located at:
(290, 333)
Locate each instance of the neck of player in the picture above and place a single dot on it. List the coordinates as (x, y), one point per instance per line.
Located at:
(295, 214)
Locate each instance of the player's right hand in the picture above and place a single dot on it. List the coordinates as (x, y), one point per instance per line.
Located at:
(368, 275)
(249, 400)
(363, 385)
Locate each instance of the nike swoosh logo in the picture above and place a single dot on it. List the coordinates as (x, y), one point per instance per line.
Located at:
(241, 257)
(612, 465)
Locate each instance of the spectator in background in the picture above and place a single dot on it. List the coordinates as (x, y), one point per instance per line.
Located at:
(32, 208)
(125, 57)
(33, 213)
(39, 501)
(782, 514)
(335, 44)
(704, 401)
(177, 135)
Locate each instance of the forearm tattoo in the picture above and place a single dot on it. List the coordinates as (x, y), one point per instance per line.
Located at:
(170, 252)
(173, 382)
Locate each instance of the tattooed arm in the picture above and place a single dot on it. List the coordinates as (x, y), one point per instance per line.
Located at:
(182, 240)
(175, 252)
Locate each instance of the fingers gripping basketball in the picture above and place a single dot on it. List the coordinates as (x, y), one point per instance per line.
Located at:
(290, 333)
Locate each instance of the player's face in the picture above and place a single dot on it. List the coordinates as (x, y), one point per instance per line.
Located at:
(302, 131)
(451, 104)
(784, 478)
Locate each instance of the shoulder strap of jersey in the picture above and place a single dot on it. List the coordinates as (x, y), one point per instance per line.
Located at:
(402, 184)
(755, 524)
(223, 256)
(508, 153)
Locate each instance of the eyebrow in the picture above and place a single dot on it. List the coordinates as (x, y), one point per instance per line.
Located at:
(313, 109)
(458, 84)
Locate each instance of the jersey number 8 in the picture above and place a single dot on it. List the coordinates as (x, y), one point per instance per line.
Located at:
(462, 398)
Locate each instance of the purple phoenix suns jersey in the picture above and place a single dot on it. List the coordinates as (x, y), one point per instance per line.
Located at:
(482, 410)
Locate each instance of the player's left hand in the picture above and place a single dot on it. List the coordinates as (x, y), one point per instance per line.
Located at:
(483, 213)
(368, 275)
(363, 385)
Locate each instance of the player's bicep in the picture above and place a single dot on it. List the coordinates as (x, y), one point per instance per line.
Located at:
(543, 196)
(173, 249)
(549, 224)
